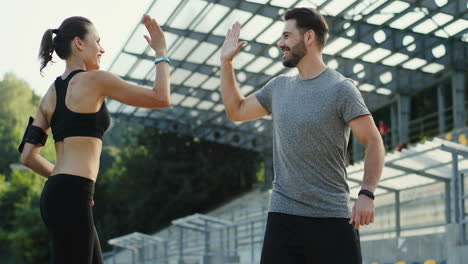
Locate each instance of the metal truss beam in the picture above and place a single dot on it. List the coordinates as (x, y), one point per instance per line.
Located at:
(254, 79)
(417, 172)
(362, 28)
(228, 136)
(246, 127)
(261, 49)
(453, 7)
(194, 115)
(380, 185)
(195, 118)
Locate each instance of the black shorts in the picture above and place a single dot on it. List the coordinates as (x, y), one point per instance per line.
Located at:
(297, 239)
(67, 213)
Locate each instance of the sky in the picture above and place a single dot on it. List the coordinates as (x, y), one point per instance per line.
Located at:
(23, 22)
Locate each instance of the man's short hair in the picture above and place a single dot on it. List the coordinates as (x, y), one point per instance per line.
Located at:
(309, 19)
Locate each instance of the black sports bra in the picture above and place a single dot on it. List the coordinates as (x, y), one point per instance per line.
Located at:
(66, 123)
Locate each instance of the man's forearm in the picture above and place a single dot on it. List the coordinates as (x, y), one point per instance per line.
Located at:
(230, 91)
(373, 164)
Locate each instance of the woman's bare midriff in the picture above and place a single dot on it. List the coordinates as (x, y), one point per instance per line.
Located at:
(78, 156)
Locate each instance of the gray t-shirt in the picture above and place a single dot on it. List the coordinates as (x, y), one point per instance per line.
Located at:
(310, 137)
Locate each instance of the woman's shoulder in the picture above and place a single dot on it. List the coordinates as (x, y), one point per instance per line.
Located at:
(99, 79)
(48, 101)
(98, 75)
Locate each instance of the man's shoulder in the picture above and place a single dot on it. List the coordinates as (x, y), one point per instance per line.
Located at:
(338, 81)
(335, 77)
(280, 80)
(284, 77)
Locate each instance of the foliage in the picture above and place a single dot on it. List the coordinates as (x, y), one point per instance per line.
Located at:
(17, 103)
(21, 229)
(167, 176)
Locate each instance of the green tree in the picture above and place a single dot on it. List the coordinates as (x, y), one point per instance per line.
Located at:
(21, 228)
(17, 103)
(22, 233)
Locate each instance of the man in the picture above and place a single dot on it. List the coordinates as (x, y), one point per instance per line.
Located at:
(310, 218)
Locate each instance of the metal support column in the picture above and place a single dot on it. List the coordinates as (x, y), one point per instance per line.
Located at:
(141, 252)
(404, 108)
(252, 242)
(154, 252)
(221, 238)
(458, 98)
(397, 214)
(236, 239)
(207, 239)
(441, 108)
(454, 186)
(269, 172)
(461, 207)
(448, 202)
(166, 253)
(114, 252)
(228, 234)
(181, 245)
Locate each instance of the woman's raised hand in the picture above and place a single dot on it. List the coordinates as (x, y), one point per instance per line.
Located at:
(156, 38)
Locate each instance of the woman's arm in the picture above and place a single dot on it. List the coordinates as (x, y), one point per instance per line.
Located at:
(31, 157)
(113, 86)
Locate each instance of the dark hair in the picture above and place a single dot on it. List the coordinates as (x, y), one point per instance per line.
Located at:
(309, 19)
(69, 29)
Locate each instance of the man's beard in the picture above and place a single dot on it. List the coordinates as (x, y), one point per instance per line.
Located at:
(295, 55)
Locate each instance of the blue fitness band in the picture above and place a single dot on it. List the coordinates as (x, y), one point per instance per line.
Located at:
(160, 59)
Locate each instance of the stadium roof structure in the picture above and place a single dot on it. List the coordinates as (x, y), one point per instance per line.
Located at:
(201, 222)
(389, 47)
(423, 164)
(136, 240)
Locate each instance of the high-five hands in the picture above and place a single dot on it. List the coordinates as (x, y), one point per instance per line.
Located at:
(231, 45)
(156, 38)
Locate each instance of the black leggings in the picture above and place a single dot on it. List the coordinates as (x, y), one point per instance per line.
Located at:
(67, 213)
(307, 240)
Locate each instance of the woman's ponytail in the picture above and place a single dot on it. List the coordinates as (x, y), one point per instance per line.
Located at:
(47, 48)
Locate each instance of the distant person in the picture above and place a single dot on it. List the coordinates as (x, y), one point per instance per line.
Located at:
(310, 219)
(400, 146)
(74, 108)
(383, 130)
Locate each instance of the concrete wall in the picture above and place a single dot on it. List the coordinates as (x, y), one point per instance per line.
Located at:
(442, 247)
(410, 249)
(457, 253)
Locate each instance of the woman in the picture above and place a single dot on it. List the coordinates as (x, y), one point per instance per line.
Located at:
(74, 109)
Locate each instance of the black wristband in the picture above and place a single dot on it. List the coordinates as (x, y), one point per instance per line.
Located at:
(367, 193)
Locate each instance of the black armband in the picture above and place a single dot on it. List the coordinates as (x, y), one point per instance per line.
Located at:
(33, 134)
